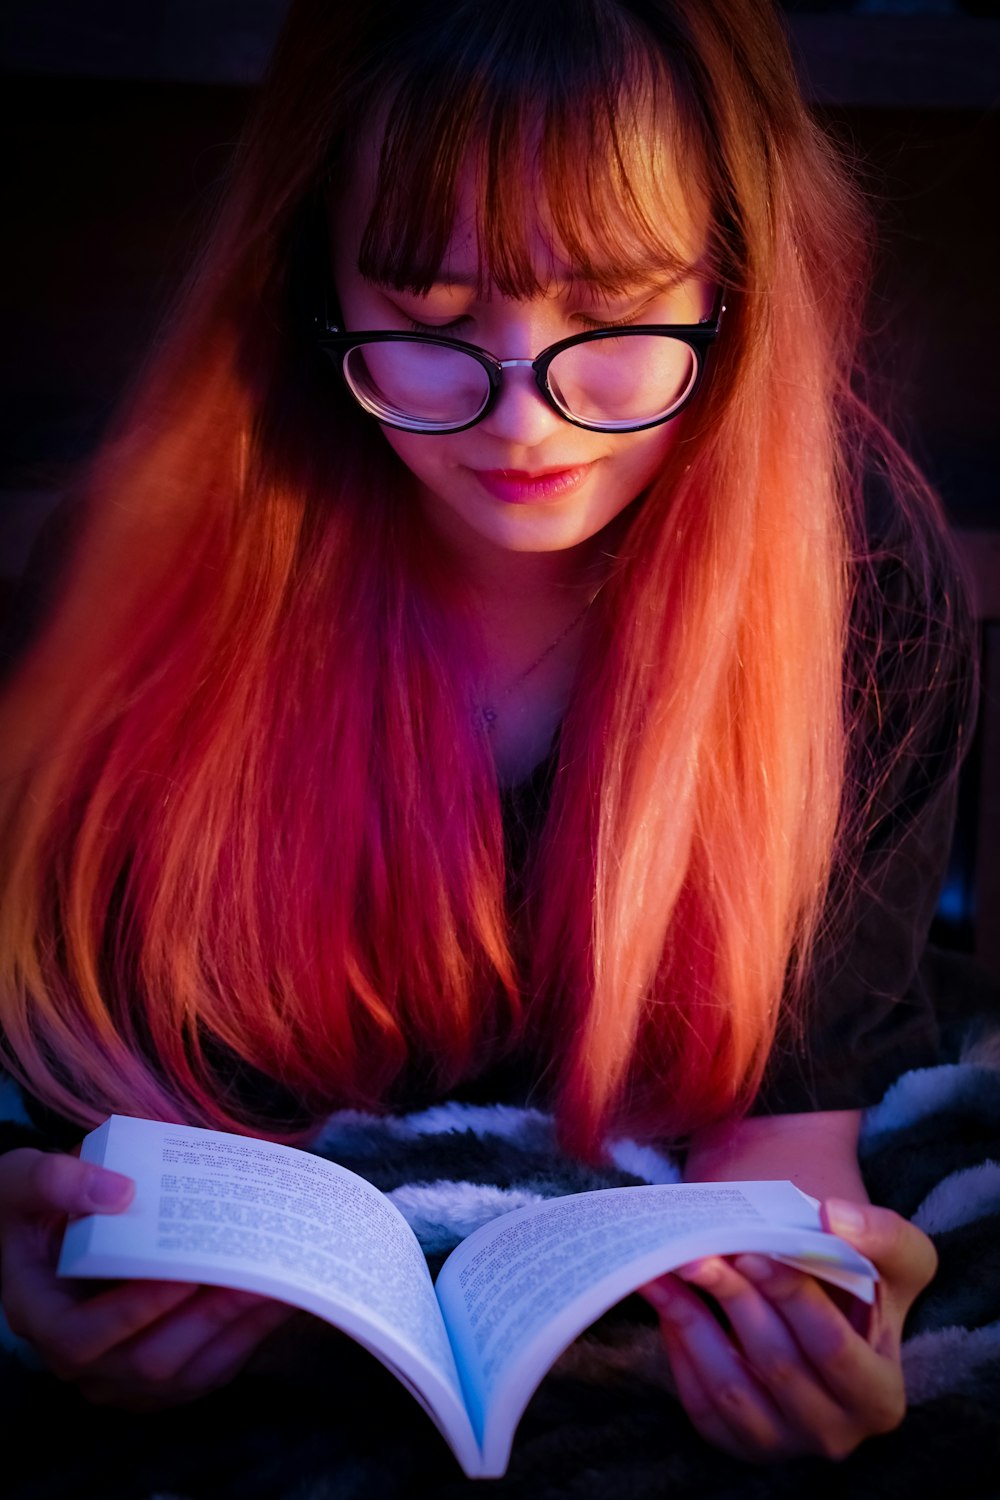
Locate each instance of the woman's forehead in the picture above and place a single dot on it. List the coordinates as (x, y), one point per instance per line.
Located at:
(553, 270)
(623, 225)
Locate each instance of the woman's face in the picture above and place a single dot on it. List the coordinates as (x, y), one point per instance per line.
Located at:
(523, 479)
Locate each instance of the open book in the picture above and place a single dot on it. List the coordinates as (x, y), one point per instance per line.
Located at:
(229, 1210)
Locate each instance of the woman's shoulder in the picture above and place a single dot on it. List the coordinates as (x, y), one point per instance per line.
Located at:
(914, 639)
(907, 536)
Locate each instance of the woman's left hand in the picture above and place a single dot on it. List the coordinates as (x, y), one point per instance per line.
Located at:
(795, 1373)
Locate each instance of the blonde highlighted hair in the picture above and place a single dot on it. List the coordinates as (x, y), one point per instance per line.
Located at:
(253, 862)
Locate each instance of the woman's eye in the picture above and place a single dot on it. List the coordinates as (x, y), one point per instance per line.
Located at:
(442, 329)
(591, 325)
(644, 309)
(659, 305)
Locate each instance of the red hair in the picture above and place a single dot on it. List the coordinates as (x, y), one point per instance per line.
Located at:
(253, 864)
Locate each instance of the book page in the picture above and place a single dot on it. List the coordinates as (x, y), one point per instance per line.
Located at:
(230, 1210)
(517, 1291)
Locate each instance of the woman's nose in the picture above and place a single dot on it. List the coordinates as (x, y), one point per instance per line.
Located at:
(521, 414)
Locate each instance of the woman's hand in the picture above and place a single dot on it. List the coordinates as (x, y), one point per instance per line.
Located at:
(141, 1345)
(795, 1370)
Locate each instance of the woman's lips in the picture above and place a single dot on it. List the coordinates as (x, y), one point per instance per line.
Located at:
(519, 487)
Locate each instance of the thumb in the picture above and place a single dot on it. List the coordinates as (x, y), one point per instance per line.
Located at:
(903, 1255)
(45, 1182)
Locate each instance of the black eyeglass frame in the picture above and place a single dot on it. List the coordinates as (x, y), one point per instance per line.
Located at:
(700, 336)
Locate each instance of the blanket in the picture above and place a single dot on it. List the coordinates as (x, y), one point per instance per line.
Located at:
(334, 1424)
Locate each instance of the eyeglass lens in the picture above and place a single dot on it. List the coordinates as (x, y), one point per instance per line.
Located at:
(609, 381)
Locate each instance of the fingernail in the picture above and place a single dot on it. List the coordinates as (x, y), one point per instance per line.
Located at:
(662, 1296)
(109, 1189)
(703, 1272)
(845, 1218)
(657, 1293)
(755, 1267)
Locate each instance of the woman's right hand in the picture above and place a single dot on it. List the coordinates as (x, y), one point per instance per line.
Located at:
(141, 1345)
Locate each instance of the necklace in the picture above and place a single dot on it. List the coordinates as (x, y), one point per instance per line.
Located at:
(488, 711)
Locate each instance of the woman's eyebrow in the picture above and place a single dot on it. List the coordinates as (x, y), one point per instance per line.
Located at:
(430, 278)
(652, 278)
(638, 276)
(660, 272)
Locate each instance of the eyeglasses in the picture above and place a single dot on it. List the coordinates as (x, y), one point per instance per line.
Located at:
(607, 380)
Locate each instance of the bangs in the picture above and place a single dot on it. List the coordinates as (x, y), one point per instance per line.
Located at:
(569, 119)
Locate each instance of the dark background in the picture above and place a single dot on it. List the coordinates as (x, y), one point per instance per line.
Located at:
(118, 117)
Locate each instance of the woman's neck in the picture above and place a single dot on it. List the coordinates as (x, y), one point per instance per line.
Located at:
(530, 608)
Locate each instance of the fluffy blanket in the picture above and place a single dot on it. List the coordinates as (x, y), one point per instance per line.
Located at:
(336, 1425)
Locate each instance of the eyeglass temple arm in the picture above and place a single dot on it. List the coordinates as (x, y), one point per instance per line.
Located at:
(322, 319)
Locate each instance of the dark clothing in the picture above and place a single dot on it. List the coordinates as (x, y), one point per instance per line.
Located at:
(877, 1003)
(880, 997)
(874, 1013)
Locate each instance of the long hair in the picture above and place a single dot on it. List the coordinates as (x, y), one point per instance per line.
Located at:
(253, 858)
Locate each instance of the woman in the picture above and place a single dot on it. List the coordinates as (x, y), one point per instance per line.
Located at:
(512, 663)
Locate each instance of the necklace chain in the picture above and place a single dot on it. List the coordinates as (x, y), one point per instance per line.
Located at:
(488, 712)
